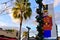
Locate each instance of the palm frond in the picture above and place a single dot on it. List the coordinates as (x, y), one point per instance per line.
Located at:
(28, 4)
(23, 8)
(15, 14)
(29, 12)
(15, 9)
(25, 34)
(25, 16)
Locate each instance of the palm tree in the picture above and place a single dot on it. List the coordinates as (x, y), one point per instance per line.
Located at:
(21, 10)
(25, 35)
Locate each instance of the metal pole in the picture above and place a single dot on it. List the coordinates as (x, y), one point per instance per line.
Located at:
(57, 32)
(28, 31)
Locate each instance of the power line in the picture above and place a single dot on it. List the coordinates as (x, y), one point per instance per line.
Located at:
(7, 2)
(6, 7)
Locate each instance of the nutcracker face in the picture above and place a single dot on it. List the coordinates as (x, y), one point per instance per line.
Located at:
(45, 13)
(47, 23)
(45, 10)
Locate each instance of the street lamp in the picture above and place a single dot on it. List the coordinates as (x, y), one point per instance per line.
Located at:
(28, 31)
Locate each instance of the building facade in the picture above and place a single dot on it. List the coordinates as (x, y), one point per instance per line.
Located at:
(6, 35)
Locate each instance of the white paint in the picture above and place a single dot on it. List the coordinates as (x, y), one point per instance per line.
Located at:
(51, 12)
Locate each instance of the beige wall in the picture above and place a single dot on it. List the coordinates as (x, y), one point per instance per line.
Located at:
(8, 34)
(58, 38)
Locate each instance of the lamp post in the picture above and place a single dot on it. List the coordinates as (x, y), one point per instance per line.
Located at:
(28, 31)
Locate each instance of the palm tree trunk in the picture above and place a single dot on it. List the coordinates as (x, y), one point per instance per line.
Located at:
(20, 27)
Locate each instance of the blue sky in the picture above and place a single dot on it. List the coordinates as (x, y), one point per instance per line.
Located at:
(8, 21)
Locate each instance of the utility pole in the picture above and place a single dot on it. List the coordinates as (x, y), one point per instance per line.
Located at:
(28, 31)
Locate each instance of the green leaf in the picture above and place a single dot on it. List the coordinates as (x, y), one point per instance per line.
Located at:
(25, 16)
(20, 7)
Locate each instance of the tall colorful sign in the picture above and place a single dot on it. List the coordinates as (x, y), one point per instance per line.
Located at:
(47, 26)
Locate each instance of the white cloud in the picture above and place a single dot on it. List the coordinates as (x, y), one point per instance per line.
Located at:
(34, 22)
(33, 33)
(56, 2)
(6, 26)
(48, 1)
(3, 25)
